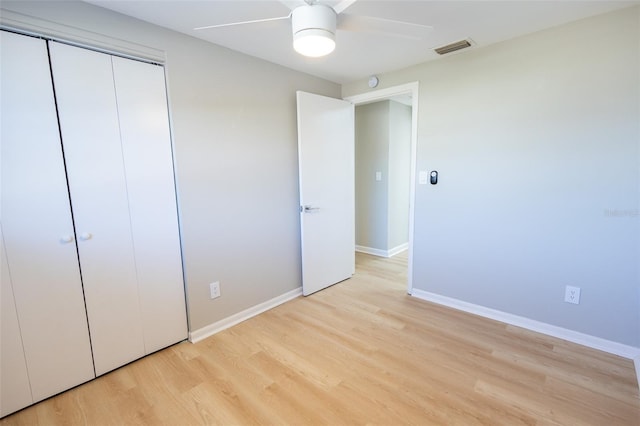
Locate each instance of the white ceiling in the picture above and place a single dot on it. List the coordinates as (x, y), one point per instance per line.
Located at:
(360, 54)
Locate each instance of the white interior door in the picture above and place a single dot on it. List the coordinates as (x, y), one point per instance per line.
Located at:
(326, 173)
(37, 227)
(90, 130)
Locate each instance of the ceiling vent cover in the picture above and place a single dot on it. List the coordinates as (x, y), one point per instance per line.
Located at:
(462, 44)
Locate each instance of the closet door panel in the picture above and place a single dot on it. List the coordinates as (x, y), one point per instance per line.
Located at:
(146, 145)
(15, 392)
(89, 126)
(37, 224)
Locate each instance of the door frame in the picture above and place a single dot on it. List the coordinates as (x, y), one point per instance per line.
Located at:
(386, 94)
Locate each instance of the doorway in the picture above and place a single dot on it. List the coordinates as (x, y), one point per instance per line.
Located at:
(408, 95)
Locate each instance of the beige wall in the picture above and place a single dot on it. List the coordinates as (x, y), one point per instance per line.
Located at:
(537, 142)
(235, 138)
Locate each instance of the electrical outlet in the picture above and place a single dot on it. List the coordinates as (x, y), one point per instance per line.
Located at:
(572, 294)
(214, 289)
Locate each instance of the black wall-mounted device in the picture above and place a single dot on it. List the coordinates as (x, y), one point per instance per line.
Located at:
(434, 177)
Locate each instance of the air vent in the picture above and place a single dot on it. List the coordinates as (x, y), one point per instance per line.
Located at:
(462, 44)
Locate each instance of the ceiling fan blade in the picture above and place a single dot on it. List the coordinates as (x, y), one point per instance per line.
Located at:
(292, 4)
(390, 27)
(343, 5)
(255, 21)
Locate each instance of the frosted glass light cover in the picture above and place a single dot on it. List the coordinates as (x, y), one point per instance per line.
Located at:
(314, 42)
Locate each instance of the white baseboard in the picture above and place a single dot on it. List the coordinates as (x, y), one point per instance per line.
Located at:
(636, 361)
(372, 251)
(383, 253)
(218, 326)
(398, 249)
(615, 348)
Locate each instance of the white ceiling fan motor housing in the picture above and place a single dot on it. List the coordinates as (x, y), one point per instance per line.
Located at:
(314, 29)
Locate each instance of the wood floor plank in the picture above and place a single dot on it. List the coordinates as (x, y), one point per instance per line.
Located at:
(361, 352)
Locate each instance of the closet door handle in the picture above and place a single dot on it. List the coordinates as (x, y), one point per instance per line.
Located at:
(85, 236)
(66, 239)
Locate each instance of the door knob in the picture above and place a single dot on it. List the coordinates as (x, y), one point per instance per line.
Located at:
(65, 239)
(309, 209)
(85, 236)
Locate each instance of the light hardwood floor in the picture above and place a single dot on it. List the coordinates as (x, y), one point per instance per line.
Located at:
(360, 352)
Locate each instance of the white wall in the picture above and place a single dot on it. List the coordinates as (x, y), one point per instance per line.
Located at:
(537, 141)
(235, 138)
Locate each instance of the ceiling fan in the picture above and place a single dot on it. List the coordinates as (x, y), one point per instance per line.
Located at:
(314, 24)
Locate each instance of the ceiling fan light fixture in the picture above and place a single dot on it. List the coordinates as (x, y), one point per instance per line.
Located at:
(314, 43)
(314, 30)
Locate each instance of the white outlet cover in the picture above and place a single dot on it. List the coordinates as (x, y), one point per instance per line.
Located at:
(572, 294)
(214, 289)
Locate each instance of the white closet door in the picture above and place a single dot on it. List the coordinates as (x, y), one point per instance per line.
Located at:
(37, 225)
(15, 392)
(91, 138)
(146, 146)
